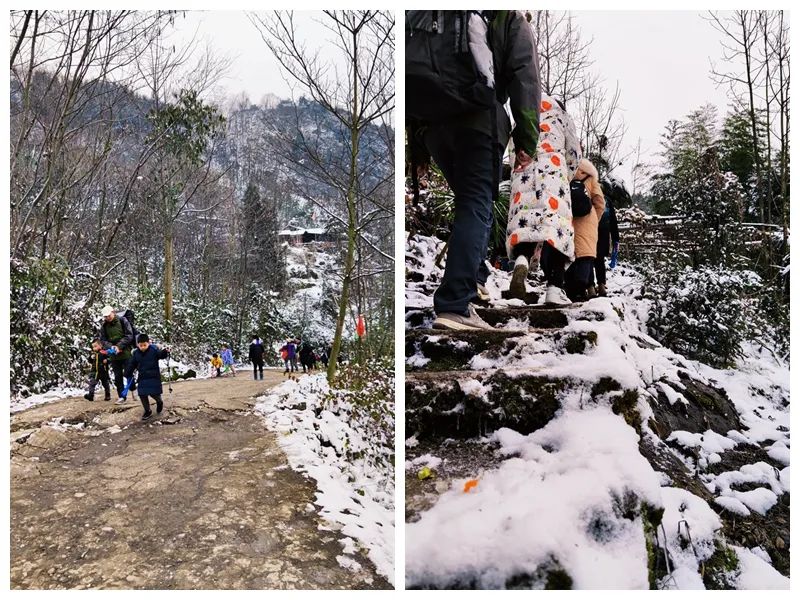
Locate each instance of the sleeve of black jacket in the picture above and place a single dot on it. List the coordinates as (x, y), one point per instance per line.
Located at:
(131, 365)
(613, 225)
(519, 70)
(127, 338)
(163, 353)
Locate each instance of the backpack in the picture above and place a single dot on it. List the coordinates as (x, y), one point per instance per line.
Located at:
(581, 203)
(127, 315)
(449, 64)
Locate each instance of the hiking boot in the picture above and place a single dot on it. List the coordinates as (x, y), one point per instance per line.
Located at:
(591, 292)
(146, 416)
(120, 400)
(517, 288)
(556, 296)
(601, 290)
(483, 293)
(470, 322)
(159, 406)
(89, 397)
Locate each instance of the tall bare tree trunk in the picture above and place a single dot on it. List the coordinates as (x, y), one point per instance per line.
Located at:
(169, 265)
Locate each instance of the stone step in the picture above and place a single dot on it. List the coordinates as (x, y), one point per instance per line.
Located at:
(445, 350)
(460, 459)
(538, 315)
(468, 404)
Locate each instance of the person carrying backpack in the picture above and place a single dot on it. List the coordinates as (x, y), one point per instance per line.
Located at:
(585, 186)
(461, 68)
(117, 332)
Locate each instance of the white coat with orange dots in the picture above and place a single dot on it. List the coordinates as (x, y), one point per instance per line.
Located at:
(540, 208)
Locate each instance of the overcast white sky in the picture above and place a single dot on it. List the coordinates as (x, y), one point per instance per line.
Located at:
(660, 59)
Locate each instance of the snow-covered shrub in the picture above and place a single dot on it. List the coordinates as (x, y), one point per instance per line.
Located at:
(705, 314)
(366, 391)
(50, 332)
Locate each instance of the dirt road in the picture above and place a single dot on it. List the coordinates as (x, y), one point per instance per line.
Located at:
(202, 498)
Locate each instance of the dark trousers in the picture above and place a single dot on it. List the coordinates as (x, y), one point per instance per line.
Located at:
(553, 263)
(467, 159)
(600, 270)
(100, 377)
(146, 402)
(258, 367)
(118, 366)
(579, 276)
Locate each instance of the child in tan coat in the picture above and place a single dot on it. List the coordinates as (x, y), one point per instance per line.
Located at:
(579, 274)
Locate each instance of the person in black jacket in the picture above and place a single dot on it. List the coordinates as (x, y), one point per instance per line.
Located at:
(608, 238)
(306, 356)
(468, 146)
(145, 359)
(256, 356)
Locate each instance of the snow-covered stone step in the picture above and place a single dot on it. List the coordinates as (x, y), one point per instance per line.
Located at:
(537, 316)
(444, 350)
(466, 404)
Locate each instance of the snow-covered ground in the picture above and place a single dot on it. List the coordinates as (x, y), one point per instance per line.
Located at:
(348, 454)
(557, 500)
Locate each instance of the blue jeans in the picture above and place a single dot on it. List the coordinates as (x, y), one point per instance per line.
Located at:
(466, 158)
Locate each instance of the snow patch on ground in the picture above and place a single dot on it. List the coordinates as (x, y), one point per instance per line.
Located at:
(558, 489)
(355, 486)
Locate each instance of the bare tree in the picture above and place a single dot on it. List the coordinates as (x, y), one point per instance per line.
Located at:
(359, 97)
(564, 57)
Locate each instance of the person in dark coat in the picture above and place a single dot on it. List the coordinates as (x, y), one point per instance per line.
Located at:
(607, 238)
(99, 371)
(256, 356)
(116, 333)
(469, 149)
(145, 359)
(324, 357)
(306, 356)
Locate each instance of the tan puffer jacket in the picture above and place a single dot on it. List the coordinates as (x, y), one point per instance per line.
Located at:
(586, 226)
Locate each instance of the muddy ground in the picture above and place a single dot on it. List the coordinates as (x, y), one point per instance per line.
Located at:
(200, 498)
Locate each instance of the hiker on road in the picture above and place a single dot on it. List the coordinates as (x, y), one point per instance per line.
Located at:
(227, 359)
(540, 210)
(607, 239)
(256, 356)
(306, 356)
(116, 333)
(145, 360)
(99, 371)
(586, 184)
(461, 68)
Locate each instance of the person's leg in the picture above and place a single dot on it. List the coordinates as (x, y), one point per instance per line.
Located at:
(600, 269)
(466, 159)
(145, 404)
(117, 366)
(554, 273)
(92, 385)
(159, 404)
(261, 370)
(104, 379)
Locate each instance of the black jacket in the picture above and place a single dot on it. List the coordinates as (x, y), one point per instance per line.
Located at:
(256, 354)
(149, 380)
(517, 79)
